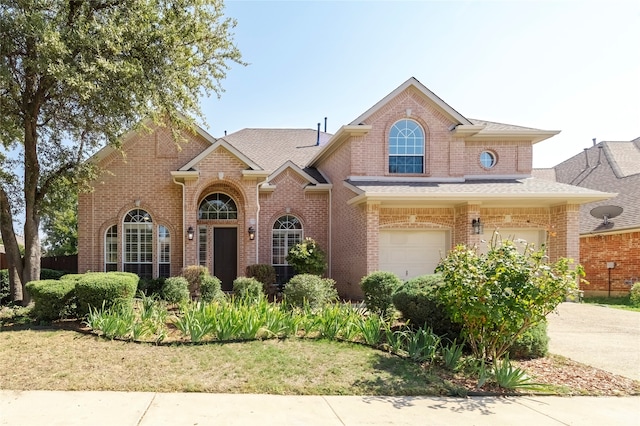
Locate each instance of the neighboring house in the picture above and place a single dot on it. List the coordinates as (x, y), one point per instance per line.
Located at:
(609, 249)
(393, 190)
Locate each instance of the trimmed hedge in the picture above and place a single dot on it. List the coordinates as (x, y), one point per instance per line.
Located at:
(150, 286)
(5, 290)
(309, 288)
(533, 343)
(194, 275)
(96, 289)
(378, 288)
(417, 300)
(247, 288)
(53, 298)
(175, 290)
(51, 274)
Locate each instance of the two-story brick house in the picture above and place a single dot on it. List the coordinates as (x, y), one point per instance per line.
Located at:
(392, 190)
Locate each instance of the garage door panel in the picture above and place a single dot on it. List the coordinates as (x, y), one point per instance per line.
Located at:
(411, 253)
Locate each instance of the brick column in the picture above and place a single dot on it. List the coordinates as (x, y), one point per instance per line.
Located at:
(564, 233)
(462, 230)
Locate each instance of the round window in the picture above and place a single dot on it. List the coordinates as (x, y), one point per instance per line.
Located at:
(487, 159)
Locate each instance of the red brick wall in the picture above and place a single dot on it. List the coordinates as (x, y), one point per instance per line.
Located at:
(289, 197)
(143, 174)
(597, 250)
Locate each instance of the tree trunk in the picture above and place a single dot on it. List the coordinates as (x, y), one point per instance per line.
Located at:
(11, 248)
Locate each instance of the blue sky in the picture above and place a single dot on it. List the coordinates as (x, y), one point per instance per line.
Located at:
(564, 65)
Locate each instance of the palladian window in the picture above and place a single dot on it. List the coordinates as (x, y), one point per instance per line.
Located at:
(406, 147)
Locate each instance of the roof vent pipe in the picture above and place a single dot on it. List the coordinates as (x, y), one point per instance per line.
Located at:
(586, 157)
(325, 124)
(225, 133)
(599, 154)
(594, 141)
(318, 138)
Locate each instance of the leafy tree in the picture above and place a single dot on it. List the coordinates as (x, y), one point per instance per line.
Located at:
(60, 223)
(74, 75)
(496, 297)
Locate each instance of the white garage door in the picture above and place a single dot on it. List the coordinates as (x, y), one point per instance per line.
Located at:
(409, 254)
(531, 236)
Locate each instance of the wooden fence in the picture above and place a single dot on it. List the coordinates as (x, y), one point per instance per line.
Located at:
(59, 263)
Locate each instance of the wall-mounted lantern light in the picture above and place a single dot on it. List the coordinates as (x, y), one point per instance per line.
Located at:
(190, 233)
(252, 233)
(478, 227)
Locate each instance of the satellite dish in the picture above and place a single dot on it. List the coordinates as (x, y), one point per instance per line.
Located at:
(606, 212)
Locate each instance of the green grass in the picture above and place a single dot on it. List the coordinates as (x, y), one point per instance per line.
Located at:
(66, 360)
(613, 302)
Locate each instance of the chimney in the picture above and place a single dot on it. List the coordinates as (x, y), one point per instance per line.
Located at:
(318, 138)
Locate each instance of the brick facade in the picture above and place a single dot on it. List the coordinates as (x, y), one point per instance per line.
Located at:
(171, 183)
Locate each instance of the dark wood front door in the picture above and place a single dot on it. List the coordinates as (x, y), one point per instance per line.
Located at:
(225, 256)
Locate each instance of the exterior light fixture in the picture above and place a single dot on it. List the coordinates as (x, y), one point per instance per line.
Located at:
(478, 227)
(252, 233)
(190, 233)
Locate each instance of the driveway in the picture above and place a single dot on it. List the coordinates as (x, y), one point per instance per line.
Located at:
(602, 337)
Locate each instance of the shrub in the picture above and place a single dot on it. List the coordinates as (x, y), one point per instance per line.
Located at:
(53, 298)
(307, 257)
(309, 288)
(73, 277)
(533, 343)
(247, 288)
(417, 300)
(634, 295)
(210, 289)
(50, 274)
(96, 289)
(194, 274)
(150, 286)
(498, 295)
(266, 274)
(175, 290)
(378, 288)
(5, 290)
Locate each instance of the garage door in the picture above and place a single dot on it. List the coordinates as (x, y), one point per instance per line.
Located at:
(531, 236)
(409, 254)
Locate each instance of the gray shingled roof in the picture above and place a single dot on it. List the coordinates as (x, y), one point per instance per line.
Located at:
(492, 125)
(610, 167)
(544, 191)
(271, 148)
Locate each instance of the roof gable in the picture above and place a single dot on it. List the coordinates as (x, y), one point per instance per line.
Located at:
(220, 143)
(447, 110)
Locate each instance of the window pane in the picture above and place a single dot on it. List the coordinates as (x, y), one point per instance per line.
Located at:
(218, 206)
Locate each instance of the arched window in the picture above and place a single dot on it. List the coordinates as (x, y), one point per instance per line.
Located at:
(218, 206)
(164, 252)
(138, 243)
(406, 147)
(287, 232)
(111, 249)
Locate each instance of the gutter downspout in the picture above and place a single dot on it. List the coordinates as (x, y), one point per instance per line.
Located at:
(257, 240)
(184, 252)
(330, 228)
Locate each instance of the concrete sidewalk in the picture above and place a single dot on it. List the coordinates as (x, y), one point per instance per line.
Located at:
(145, 408)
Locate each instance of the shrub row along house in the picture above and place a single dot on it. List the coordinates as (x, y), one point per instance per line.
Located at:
(393, 190)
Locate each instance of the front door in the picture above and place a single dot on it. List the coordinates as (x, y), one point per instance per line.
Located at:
(225, 256)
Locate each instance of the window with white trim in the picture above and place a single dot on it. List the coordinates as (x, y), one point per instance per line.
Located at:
(138, 243)
(406, 147)
(488, 159)
(164, 252)
(111, 249)
(202, 245)
(287, 232)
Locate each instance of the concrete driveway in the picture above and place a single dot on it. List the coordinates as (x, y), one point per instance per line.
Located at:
(602, 337)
